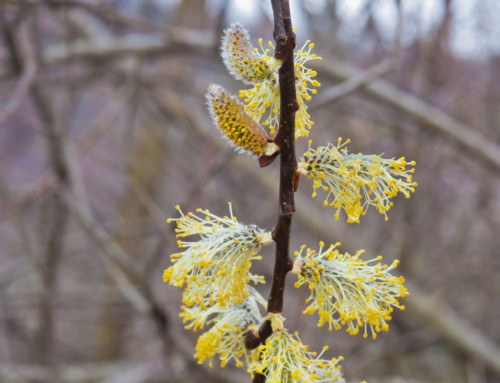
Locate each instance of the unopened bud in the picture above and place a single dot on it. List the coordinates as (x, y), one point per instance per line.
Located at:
(234, 122)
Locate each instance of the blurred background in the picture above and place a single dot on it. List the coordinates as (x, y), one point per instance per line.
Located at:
(104, 129)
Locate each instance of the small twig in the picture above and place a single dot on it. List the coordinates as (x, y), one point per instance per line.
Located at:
(23, 86)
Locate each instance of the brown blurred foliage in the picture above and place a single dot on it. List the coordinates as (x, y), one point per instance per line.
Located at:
(103, 129)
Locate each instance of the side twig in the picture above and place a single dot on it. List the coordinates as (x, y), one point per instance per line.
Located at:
(26, 79)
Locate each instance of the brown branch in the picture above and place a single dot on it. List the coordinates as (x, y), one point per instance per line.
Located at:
(288, 165)
(285, 139)
(56, 226)
(279, 32)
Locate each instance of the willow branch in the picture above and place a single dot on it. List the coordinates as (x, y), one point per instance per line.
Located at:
(443, 321)
(279, 28)
(288, 163)
(285, 139)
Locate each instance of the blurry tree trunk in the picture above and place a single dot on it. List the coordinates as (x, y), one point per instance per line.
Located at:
(145, 169)
(191, 14)
(493, 96)
(54, 120)
(440, 60)
(53, 230)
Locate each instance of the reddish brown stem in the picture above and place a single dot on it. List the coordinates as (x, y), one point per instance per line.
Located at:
(288, 163)
(285, 139)
(279, 33)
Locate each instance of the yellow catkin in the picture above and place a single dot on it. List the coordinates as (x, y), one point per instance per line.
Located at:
(262, 101)
(234, 122)
(226, 337)
(239, 56)
(215, 266)
(284, 358)
(348, 291)
(353, 182)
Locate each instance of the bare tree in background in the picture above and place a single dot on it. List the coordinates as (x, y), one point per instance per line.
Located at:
(103, 128)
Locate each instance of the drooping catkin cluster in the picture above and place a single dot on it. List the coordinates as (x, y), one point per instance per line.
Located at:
(262, 100)
(345, 290)
(216, 267)
(214, 264)
(355, 181)
(284, 358)
(226, 338)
